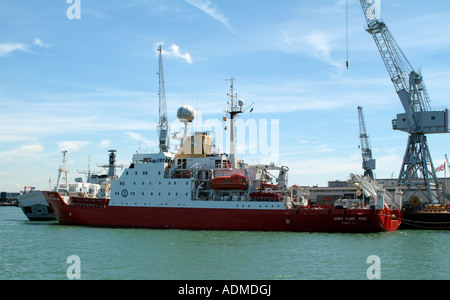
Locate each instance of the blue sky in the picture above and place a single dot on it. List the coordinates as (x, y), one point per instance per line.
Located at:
(89, 85)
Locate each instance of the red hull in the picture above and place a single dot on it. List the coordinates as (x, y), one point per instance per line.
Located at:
(299, 220)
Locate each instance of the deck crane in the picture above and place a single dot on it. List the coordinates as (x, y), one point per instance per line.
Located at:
(163, 125)
(418, 119)
(368, 163)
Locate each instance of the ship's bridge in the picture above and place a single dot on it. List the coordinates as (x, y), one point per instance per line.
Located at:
(161, 157)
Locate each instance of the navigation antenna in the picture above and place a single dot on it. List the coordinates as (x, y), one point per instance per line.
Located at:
(163, 125)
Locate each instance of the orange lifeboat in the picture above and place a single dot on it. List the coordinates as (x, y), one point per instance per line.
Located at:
(233, 182)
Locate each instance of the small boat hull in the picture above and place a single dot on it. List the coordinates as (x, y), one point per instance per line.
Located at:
(35, 206)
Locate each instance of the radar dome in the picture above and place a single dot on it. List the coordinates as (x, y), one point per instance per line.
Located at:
(186, 113)
(241, 102)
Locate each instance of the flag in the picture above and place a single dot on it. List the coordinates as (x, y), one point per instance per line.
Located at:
(440, 168)
(224, 119)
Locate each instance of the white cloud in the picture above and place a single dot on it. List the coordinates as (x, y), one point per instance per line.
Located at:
(22, 152)
(175, 52)
(319, 43)
(138, 137)
(71, 146)
(38, 42)
(105, 143)
(33, 148)
(207, 7)
(7, 48)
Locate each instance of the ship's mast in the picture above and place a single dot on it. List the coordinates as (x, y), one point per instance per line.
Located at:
(112, 174)
(112, 164)
(234, 110)
(63, 172)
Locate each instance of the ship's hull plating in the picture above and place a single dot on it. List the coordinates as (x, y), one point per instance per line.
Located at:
(299, 220)
(38, 213)
(436, 220)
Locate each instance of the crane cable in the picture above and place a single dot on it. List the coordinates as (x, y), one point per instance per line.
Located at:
(346, 31)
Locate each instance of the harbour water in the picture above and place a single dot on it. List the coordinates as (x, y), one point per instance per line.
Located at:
(40, 250)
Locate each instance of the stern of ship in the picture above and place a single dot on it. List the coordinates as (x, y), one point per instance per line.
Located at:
(391, 219)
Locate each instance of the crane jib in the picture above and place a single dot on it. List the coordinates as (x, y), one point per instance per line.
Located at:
(418, 119)
(163, 125)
